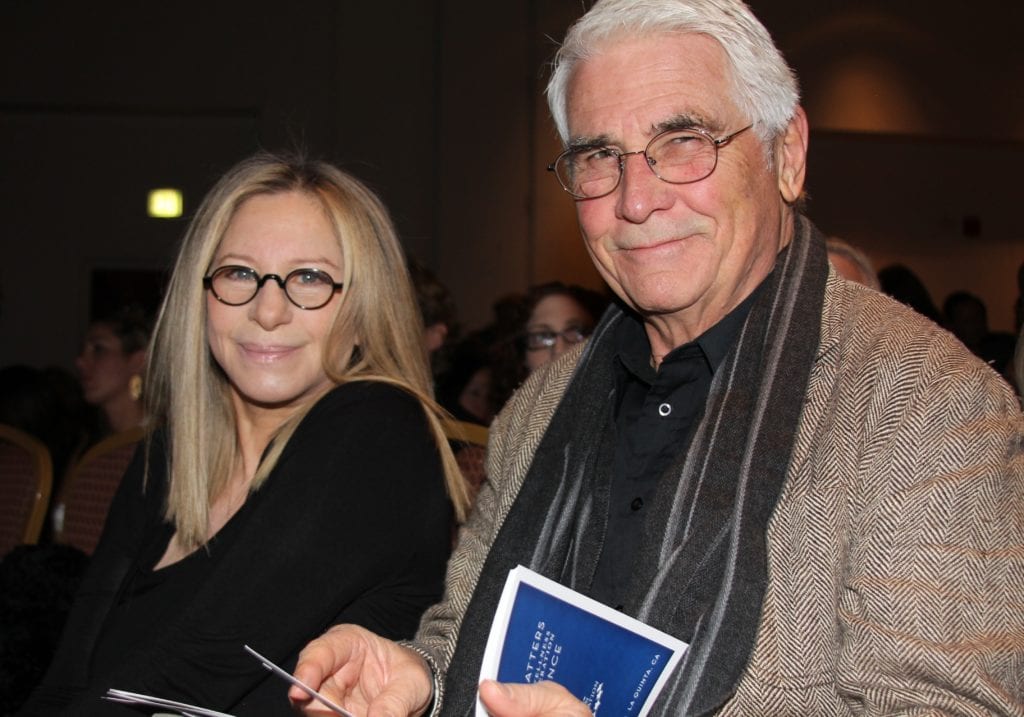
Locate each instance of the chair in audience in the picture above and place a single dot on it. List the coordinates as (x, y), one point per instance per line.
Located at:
(26, 478)
(469, 442)
(465, 432)
(82, 506)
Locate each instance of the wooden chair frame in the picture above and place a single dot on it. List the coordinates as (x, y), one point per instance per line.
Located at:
(43, 466)
(110, 443)
(464, 431)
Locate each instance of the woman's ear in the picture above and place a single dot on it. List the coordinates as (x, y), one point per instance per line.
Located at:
(137, 361)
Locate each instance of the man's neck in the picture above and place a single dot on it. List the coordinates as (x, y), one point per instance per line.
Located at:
(666, 332)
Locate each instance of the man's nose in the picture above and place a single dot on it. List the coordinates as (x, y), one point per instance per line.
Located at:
(641, 192)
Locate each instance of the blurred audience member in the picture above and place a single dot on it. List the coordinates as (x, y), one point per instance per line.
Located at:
(539, 327)
(966, 316)
(558, 321)
(111, 364)
(851, 263)
(461, 372)
(436, 307)
(48, 404)
(464, 389)
(899, 282)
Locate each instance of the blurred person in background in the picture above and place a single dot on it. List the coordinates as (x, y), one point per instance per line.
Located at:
(110, 367)
(536, 328)
(851, 262)
(437, 309)
(966, 316)
(902, 284)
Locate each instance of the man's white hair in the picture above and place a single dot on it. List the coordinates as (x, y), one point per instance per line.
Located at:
(764, 87)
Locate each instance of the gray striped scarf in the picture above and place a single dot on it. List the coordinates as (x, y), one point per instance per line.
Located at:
(702, 571)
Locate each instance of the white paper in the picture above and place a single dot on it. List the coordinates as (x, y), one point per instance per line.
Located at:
(299, 683)
(186, 710)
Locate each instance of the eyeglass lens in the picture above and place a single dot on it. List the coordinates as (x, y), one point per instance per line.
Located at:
(306, 288)
(677, 156)
(537, 340)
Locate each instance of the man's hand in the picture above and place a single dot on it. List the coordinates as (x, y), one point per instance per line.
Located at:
(363, 673)
(541, 699)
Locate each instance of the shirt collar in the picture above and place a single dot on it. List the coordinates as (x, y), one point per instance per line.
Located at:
(633, 348)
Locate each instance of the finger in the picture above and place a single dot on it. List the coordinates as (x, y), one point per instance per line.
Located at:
(297, 697)
(322, 658)
(313, 665)
(542, 699)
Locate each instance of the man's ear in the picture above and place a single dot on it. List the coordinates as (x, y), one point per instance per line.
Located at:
(792, 157)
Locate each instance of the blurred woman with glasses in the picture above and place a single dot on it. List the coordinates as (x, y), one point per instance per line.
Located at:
(537, 328)
(298, 476)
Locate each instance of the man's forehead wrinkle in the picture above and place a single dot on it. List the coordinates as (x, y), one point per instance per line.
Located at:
(683, 120)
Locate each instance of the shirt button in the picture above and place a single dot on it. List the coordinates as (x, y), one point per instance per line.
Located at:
(664, 409)
(637, 504)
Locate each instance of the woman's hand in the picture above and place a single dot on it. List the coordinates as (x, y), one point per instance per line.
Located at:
(541, 699)
(365, 674)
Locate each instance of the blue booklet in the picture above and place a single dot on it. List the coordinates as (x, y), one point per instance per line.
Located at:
(542, 630)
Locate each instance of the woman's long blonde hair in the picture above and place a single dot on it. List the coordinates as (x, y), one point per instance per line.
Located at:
(376, 334)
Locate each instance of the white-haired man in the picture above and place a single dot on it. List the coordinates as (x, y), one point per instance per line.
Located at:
(815, 488)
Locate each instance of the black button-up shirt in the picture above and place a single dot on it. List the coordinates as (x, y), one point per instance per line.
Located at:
(656, 412)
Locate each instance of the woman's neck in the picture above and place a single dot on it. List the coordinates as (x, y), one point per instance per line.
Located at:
(123, 412)
(255, 427)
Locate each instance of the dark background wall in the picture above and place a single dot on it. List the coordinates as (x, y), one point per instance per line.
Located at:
(916, 113)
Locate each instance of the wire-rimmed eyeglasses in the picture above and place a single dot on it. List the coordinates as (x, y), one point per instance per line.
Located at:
(237, 285)
(676, 156)
(545, 338)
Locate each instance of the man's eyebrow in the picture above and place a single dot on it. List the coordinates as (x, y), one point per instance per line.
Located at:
(585, 142)
(683, 121)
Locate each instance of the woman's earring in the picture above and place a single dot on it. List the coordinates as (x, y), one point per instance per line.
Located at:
(135, 387)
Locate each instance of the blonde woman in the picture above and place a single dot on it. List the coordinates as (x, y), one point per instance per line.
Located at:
(299, 477)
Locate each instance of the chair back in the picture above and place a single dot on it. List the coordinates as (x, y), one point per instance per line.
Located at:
(465, 432)
(90, 487)
(26, 478)
(469, 443)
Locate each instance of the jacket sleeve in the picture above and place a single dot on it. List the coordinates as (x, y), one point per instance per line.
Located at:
(932, 614)
(513, 438)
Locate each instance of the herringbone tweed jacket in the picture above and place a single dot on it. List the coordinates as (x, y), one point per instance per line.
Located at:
(896, 550)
